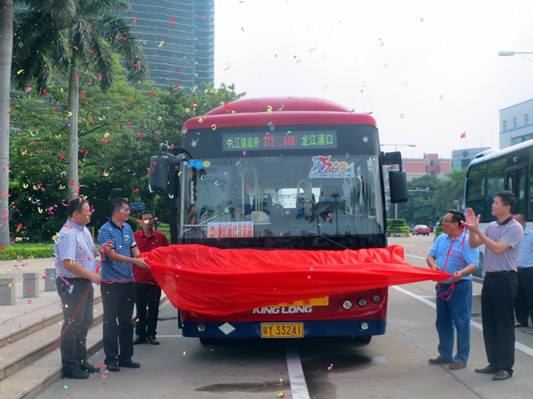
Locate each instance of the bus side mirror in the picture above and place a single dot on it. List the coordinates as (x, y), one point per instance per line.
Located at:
(158, 177)
(398, 186)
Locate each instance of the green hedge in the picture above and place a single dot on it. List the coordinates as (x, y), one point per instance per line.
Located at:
(397, 226)
(12, 253)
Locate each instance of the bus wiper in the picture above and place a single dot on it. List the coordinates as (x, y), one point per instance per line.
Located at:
(332, 241)
(213, 217)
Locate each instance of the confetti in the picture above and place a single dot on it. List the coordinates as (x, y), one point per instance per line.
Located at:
(172, 20)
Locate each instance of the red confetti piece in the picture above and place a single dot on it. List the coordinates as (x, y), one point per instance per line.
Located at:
(134, 21)
(76, 48)
(122, 37)
(129, 101)
(136, 190)
(153, 94)
(177, 86)
(172, 20)
(82, 94)
(129, 124)
(61, 155)
(54, 110)
(137, 65)
(117, 143)
(177, 70)
(45, 277)
(32, 143)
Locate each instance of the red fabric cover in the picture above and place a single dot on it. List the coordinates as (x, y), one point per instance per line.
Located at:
(216, 281)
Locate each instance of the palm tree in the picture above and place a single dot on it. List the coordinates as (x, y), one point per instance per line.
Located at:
(73, 36)
(6, 47)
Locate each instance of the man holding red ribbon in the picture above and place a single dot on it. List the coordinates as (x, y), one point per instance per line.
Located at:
(117, 286)
(75, 260)
(451, 253)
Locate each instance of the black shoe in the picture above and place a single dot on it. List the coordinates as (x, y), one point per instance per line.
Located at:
(153, 340)
(139, 340)
(76, 374)
(89, 368)
(113, 366)
(129, 364)
(439, 360)
(487, 370)
(502, 375)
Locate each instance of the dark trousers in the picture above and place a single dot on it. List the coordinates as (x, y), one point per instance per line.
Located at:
(523, 304)
(497, 299)
(118, 300)
(147, 298)
(77, 301)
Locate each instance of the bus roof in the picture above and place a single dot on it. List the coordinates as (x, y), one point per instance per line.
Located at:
(278, 111)
(486, 155)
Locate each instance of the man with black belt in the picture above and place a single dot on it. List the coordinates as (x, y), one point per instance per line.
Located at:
(452, 254)
(76, 270)
(147, 292)
(117, 286)
(523, 304)
(502, 240)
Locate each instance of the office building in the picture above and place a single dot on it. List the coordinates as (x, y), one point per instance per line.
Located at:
(178, 39)
(516, 124)
(461, 158)
(431, 165)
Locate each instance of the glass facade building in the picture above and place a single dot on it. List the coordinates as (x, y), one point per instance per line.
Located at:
(178, 39)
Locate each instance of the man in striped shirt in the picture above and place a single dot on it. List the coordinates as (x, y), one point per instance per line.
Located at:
(118, 296)
(75, 261)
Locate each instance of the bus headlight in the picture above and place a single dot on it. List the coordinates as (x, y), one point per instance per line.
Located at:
(201, 327)
(347, 305)
(361, 302)
(364, 325)
(376, 298)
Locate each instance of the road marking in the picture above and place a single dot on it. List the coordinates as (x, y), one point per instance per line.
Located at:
(170, 336)
(518, 345)
(296, 374)
(414, 256)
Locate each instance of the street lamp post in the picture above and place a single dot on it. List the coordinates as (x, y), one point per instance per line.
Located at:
(396, 149)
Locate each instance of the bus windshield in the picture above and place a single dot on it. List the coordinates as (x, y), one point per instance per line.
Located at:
(281, 196)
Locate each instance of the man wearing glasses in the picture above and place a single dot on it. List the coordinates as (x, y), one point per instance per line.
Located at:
(452, 254)
(118, 296)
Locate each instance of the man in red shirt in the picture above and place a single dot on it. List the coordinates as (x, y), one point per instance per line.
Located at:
(147, 292)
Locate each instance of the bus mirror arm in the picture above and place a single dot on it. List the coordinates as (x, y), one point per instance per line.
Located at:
(172, 159)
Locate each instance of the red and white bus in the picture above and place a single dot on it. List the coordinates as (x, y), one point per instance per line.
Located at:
(283, 173)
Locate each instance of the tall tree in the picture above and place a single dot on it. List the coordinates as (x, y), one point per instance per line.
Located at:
(74, 36)
(6, 48)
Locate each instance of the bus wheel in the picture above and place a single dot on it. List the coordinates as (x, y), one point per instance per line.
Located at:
(362, 339)
(207, 341)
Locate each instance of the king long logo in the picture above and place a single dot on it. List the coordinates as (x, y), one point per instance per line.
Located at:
(324, 166)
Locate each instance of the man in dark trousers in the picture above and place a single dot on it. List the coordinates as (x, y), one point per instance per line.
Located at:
(76, 270)
(117, 286)
(147, 292)
(502, 240)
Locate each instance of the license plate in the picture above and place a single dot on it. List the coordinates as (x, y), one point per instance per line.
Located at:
(282, 330)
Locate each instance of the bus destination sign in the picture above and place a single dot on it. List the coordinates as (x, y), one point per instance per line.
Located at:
(264, 141)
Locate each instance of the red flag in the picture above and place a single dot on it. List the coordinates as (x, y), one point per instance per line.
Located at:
(463, 135)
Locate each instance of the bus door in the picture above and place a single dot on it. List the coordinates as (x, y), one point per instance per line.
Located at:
(515, 181)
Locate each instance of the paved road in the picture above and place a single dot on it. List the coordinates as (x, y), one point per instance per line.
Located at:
(391, 366)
